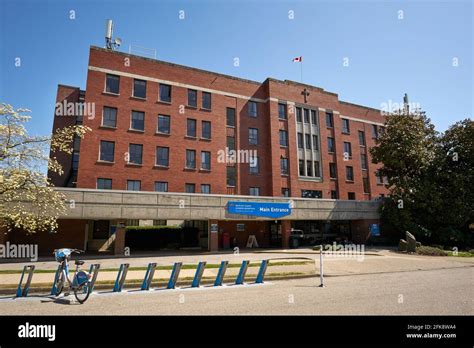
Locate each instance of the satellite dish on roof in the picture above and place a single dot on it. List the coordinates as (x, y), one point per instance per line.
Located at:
(118, 41)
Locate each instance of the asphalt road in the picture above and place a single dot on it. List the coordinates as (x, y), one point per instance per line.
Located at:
(424, 292)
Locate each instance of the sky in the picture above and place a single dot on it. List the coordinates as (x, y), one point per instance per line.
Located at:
(368, 52)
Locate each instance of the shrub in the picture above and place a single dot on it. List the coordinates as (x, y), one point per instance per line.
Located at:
(430, 251)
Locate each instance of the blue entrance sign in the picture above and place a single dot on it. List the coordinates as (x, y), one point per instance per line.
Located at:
(263, 209)
(375, 230)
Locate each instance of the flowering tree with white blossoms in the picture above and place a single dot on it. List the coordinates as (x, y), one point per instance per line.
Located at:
(27, 197)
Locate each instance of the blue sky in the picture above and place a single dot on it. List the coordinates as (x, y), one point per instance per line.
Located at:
(387, 56)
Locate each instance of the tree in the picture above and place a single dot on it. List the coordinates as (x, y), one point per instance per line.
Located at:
(430, 177)
(27, 198)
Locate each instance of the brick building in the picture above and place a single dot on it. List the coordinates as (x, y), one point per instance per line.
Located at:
(162, 127)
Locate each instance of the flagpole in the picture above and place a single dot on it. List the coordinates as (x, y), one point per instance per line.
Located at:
(301, 63)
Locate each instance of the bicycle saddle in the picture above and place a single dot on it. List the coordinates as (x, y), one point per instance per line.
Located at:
(79, 262)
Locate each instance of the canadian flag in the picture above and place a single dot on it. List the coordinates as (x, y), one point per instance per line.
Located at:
(298, 59)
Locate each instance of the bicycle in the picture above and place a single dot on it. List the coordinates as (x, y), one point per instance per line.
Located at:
(80, 283)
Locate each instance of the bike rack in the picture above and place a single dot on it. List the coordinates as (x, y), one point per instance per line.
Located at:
(148, 276)
(56, 277)
(122, 273)
(94, 270)
(261, 272)
(241, 276)
(221, 273)
(198, 275)
(174, 275)
(23, 292)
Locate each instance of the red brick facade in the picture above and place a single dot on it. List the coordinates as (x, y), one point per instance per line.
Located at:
(226, 91)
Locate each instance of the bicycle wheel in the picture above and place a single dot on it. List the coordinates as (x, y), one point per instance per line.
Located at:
(82, 292)
(59, 284)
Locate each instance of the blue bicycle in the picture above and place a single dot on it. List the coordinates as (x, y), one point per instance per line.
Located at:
(80, 283)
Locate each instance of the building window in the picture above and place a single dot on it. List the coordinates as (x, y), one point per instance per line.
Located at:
(135, 152)
(112, 83)
(75, 161)
(161, 186)
(365, 182)
(205, 188)
(104, 184)
(361, 138)
(230, 176)
(163, 124)
(230, 116)
(206, 100)
(285, 192)
(300, 140)
(349, 173)
(282, 111)
(283, 138)
(231, 143)
(190, 188)
(347, 150)
(311, 194)
(252, 109)
(133, 185)
(309, 168)
(298, 115)
(191, 128)
(138, 120)
(253, 136)
(307, 140)
(162, 156)
(109, 117)
(107, 149)
(317, 170)
(191, 159)
(331, 147)
(205, 160)
(284, 166)
(363, 161)
(332, 171)
(351, 196)
(375, 133)
(165, 93)
(301, 167)
(192, 98)
(314, 120)
(254, 191)
(329, 120)
(306, 115)
(254, 165)
(206, 130)
(334, 194)
(139, 88)
(382, 130)
(315, 143)
(379, 178)
(345, 126)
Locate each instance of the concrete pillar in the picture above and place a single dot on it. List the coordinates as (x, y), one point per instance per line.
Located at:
(285, 233)
(213, 235)
(119, 244)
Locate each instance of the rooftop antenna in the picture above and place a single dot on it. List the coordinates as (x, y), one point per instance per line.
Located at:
(406, 104)
(110, 43)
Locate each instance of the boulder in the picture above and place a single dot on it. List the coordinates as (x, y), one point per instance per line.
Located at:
(411, 242)
(402, 245)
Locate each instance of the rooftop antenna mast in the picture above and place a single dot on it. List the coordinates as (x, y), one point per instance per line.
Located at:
(110, 43)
